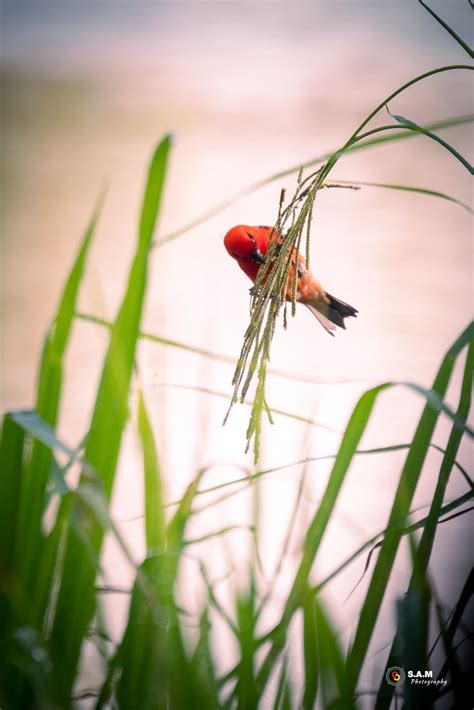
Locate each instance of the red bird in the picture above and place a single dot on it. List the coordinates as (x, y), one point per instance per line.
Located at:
(248, 246)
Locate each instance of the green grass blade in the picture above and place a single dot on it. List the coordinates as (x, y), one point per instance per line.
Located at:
(427, 539)
(408, 480)
(409, 188)
(50, 373)
(75, 604)
(448, 29)
(154, 515)
(412, 126)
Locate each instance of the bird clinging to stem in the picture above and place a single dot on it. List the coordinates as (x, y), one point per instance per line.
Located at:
(249, 245)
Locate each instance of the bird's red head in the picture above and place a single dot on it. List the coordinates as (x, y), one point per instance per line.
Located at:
(246, 243)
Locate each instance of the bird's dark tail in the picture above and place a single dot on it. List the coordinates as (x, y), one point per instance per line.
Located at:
(332, 314)
(338, 310)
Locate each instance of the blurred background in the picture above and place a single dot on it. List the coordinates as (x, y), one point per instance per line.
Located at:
(248, 89)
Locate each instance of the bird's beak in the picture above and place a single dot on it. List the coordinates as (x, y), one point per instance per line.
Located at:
(257, 256)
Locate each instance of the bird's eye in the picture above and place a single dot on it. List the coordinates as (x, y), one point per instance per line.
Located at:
(252, 238)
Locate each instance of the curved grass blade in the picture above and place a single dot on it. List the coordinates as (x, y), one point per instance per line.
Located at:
(412, 126)
(448, 29)
(404, 87)
(76, 600)
(409, 188)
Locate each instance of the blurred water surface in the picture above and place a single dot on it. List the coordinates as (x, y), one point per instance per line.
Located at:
(248, 89)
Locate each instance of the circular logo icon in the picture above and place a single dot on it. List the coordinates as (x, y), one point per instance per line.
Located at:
(395, 675)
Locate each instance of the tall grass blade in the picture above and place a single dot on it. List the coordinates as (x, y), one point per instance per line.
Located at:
(154, 515)
(406, 488)
(76, 601)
